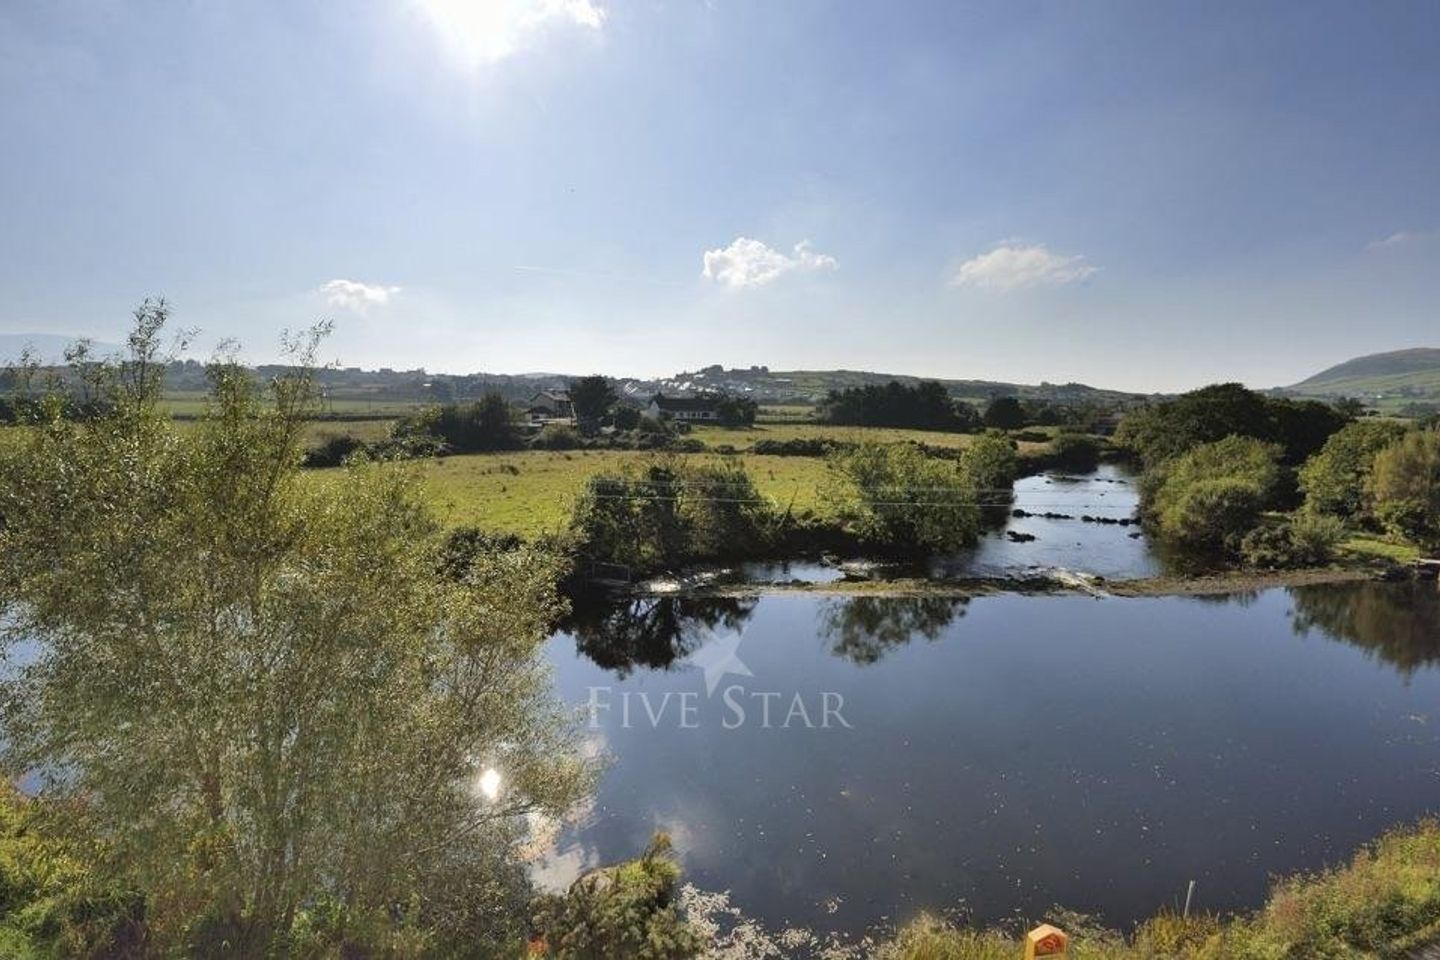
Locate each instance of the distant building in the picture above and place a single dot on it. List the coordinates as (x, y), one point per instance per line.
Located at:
(550, 405)
(691, 409)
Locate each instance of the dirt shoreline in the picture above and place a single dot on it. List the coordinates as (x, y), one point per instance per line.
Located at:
(1237, 581)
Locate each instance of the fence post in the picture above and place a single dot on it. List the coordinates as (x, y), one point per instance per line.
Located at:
(1046, 941)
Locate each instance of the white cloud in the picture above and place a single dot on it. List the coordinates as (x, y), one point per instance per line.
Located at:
(750, 263)
(356, 296)
(484, 32)
(1012, 267)
(1401, 238)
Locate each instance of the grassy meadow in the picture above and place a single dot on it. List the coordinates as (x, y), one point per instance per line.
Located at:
(533, 492)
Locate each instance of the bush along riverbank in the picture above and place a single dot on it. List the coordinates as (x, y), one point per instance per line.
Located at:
(885, 500)
(1236, 479)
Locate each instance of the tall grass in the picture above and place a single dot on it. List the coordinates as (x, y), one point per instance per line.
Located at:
(1384, 903)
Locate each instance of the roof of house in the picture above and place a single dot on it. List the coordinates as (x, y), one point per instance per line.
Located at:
(683, 403)
(555, 396)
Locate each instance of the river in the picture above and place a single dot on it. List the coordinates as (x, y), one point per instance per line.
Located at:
(840, 763)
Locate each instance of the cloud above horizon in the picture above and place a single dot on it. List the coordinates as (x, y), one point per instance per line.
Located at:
(1401, 238)
(487, 32)
(1014, 267)
(356, 296)
(750, 263)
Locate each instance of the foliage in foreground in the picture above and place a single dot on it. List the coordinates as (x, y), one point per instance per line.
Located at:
(52, 903)
(629, 911)
(261, 694)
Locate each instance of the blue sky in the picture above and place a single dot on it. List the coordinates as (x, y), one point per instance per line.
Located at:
(1140, 195)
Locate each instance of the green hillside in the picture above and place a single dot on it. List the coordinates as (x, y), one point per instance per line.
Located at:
(1413, 373)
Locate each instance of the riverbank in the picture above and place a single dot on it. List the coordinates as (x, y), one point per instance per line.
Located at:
(1384, 903)
(720, 583)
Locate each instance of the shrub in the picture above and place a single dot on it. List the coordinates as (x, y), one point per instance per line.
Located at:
(332, 450)
(488, 424)
(1405, 483)
(1209, 498)
(668, 513)
(625, 911)
(798, 447)
(557, 436)
(1335, 479)
(896, 497)
(1075, 451)
(990, 466)
(53, 902)
(1306, 540)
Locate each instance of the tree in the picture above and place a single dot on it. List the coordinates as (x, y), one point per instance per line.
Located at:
(1212, 413)
(1005, 413)
(894, 495)
(626, 416)
(592, 397)
(924, 406)
(295, 707)
(1335, 480)
(1350, 407)
(667, 512)
(1075, 451)
(485, 425)
(1210, 497)
(1405, 483)
(989, 465)
(736, 411)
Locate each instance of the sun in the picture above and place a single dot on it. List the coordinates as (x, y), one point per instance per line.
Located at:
(482, 32)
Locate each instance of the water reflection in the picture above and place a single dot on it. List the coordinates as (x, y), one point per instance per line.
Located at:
(652, 632)
(1048, 749)
(1398, 623)
(863, 629)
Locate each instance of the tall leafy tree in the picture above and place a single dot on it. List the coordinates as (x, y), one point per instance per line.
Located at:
(260, 691)
(1005, 413)
(1335, 479)
(592, 397)
(1405, 484)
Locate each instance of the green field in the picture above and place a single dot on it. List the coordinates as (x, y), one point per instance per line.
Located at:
(534, 492)
(190, 405)
(742, 437)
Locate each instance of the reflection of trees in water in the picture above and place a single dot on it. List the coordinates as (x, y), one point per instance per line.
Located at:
(863, 629)
(1397, 622)
(653, 632)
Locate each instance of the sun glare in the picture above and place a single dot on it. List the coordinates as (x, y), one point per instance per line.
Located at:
(481, 32)
(489, 783)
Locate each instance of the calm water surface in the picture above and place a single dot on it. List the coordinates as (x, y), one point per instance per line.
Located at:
(1008, 753)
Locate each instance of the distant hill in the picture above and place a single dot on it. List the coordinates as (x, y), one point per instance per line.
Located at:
(48, 347)
(351, 389)
(1399, 374)
(811, 386)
